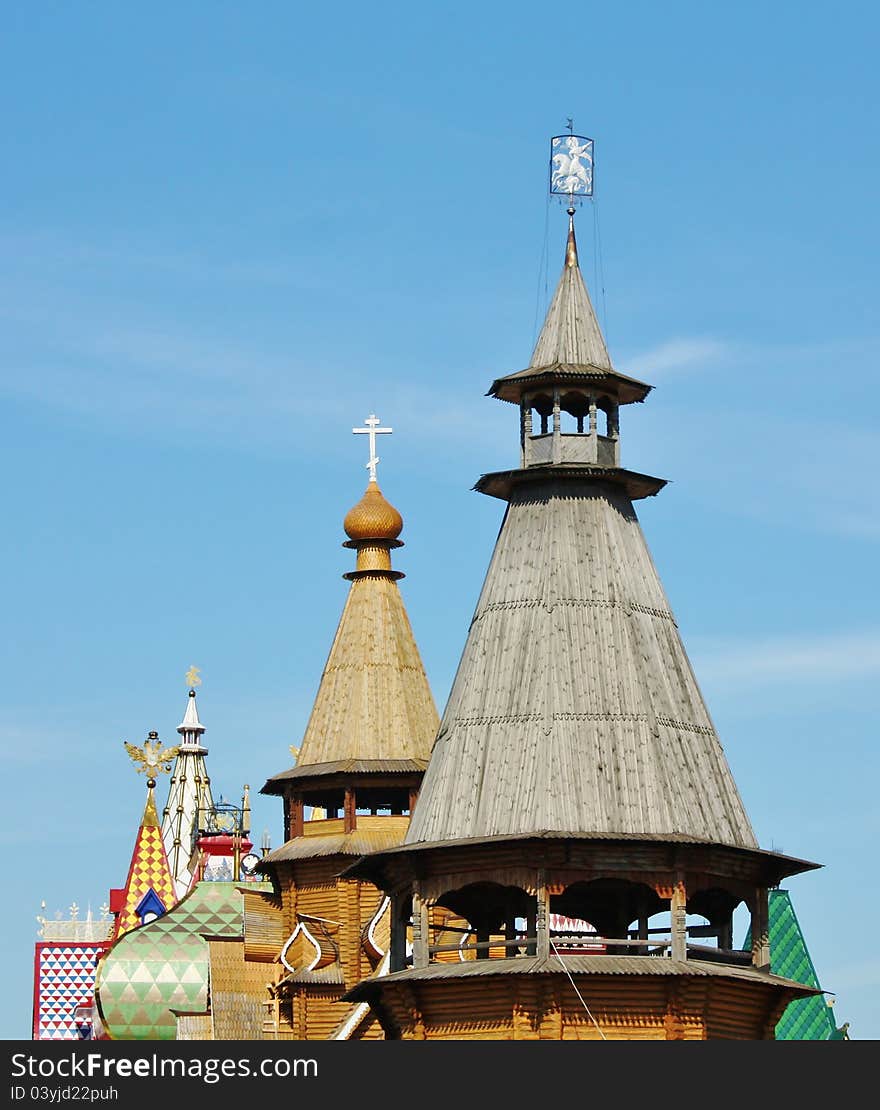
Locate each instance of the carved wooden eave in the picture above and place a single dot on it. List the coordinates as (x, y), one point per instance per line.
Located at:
(617, 966)
(381, 772)
(537, 379)
(456, 862)
(502, 483)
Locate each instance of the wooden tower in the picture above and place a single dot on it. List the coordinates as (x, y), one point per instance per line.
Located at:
(352, 790)
(578, 816)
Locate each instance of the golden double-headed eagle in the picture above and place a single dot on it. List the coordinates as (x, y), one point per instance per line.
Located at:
(152, 758)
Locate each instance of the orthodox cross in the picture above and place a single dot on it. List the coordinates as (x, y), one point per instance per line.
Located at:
(372, 430)
(192, 677)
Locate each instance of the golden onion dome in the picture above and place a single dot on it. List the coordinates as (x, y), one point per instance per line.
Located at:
(373, 518)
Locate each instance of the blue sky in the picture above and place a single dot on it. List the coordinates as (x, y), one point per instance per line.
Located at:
(228, 234)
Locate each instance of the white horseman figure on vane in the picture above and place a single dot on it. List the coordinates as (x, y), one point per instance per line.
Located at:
(571, 165)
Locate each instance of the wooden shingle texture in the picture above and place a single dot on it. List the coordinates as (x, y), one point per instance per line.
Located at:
(374, 702)
(575, 708)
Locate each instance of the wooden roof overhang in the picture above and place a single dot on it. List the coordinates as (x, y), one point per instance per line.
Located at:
(355, 844)
(324, 976)
(370, 772)
(512, 387)
(571, 857)
(563, 965)
(502, 483)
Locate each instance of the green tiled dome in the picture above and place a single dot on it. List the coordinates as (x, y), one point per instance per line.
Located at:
(163, 966)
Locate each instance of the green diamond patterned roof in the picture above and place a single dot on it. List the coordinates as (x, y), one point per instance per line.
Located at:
(163, 966)
(807, 1019)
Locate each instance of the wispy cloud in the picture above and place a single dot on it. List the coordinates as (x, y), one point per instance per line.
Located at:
(677, 355)
(836, 656)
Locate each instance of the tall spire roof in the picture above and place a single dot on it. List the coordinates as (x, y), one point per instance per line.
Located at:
(571, 345)
(191, 728)
(373, 701)
(149, 887)
(189, 799)
(575, 710)
(571, 334)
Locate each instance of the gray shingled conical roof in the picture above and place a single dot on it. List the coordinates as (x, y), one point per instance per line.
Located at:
(571, 334)
(575, 709)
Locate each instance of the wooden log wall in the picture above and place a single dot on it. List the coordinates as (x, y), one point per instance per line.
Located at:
(547, 1008)
(264, 926)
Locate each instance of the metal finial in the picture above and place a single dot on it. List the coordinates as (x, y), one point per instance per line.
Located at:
(571, 249)
(192, 677)
(372, 430)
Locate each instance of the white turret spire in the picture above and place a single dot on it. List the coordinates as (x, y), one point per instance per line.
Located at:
(189, 795)
(191, 728)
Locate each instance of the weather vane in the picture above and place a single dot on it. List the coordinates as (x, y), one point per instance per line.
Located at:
(571, 166)
(152, 758)
(192, 677)
(372, 430)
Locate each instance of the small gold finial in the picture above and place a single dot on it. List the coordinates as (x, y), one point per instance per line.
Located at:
(192, 677)
(571, 249)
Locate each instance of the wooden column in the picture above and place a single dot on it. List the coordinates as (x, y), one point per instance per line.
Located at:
(417, 1020)
(399, 917)
(593, 422)
(421, 931)
(351, 953)
(413, 797)
(542, 917)
(295, 820)
(531, 928)
(348, 810)
(510, 932)
(761, 929)
(725, 933)
(557, 427)
(678, 913)
(642, 927)
(614, 429)
(673, 1026)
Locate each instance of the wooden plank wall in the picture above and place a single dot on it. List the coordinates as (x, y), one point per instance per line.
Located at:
(538, 1008)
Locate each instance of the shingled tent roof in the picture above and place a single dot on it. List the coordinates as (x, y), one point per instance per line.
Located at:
(373, 704)
(571, 332)
(575, 708)
(571, 344)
